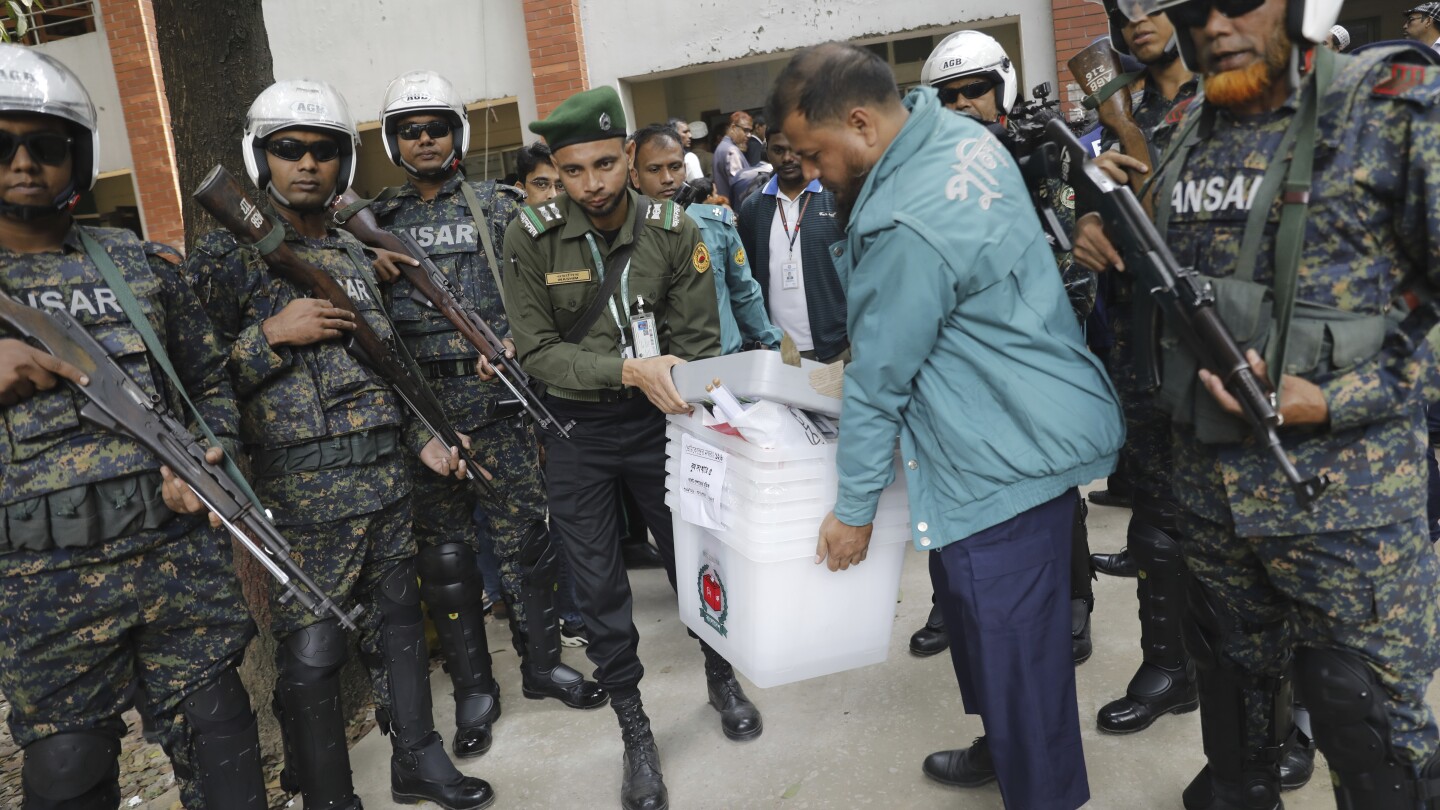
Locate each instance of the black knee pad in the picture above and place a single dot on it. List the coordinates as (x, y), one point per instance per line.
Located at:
(535, 547)
(1346, 707)
(450, 577)
(313, 654)
(73, 769)
(221, 706)
(400, 594)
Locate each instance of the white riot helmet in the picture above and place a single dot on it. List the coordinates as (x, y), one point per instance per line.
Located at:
(423, 91)
(34, 82)
(298, 103)
(971, 53)
(1306, 21)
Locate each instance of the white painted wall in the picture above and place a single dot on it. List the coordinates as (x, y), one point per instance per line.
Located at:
(479, 45)
(89, 56)
(680, 34)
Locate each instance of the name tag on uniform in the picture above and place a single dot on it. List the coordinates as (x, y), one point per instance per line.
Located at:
(790, 275)
(567, 277)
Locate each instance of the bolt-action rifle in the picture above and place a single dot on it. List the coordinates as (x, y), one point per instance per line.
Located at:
(119, 405)
(1184, 295)
(432, 289)
(221, 195)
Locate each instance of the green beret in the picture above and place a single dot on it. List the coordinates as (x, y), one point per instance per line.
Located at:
(592, 115)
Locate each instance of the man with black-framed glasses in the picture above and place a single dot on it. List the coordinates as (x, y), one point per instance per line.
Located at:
(1317, 243)
(729, 159)
(1422, 24)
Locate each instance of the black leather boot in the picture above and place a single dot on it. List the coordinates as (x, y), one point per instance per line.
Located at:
(451, 586)
(419, 767)
(642, 785)
(1297, 763)
(1119, 564)
(537, 640)
(962, 767)
(932, 638)
(1165, 681)
(739, 718)
(1080, 645)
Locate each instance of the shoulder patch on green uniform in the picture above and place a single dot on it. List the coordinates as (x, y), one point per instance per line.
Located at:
(164, 252)
(665, 215)
(539, 219)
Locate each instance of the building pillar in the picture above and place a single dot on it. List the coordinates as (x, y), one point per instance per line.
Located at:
(557, 51)
(1077, 24)
(130, 31)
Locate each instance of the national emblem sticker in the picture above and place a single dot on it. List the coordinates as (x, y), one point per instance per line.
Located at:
(700, 258)
(714, 602)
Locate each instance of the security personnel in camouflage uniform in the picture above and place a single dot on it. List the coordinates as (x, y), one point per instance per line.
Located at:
(557, 256)
(974, 76)
(426, 132)
(109, 581)
(1349, 589)
(657, 169)
(326, 439)
(1165, 681)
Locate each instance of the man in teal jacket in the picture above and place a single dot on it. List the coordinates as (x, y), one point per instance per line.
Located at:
(965, 347)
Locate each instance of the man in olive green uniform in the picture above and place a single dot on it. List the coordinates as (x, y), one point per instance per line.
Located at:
(614, 382)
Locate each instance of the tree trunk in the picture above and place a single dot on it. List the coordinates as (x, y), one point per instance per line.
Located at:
(216, 59)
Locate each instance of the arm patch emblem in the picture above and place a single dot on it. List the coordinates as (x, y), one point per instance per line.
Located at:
(740, 255)
(700, 258)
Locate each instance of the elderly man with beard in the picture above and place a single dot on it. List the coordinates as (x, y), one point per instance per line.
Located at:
(1348, 589)
(964, 348)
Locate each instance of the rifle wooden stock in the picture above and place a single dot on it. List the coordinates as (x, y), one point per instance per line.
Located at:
(439, 293)
(221, 195)
(120, 406)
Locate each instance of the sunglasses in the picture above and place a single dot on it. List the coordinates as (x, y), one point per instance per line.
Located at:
(435, 129)
(972, 91)
(292, 150)
(1195, 14)
(50, 148)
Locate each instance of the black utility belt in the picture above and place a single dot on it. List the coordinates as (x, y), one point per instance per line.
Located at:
(332, 452)
(596, 395)
(86, 515)
(449, 369)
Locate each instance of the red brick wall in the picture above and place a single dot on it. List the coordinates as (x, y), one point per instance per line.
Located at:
(557, 51)
(1077, 24)
(130, 30)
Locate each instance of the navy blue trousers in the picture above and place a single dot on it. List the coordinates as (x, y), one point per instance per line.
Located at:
(1005, 594)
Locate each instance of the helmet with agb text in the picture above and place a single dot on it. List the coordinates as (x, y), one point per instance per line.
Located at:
(971, 53)
(37, 83)
(302, 103)
(423, 91)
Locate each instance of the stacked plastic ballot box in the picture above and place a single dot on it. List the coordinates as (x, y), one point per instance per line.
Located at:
(747, 520)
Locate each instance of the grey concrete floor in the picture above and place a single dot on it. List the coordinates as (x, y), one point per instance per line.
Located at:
(850, 740)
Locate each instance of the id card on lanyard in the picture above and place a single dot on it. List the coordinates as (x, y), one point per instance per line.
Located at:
(790, 268)
(628, 348)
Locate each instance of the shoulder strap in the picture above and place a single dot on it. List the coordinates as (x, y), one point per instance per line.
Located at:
(615, 265)
(1290, 238)
(483, 226)
(126, 298)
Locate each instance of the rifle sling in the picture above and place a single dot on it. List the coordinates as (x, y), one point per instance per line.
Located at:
(126, 298)
(615, 267)
(483, 226)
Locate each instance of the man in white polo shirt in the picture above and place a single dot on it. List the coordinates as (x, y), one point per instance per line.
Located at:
(788, 229)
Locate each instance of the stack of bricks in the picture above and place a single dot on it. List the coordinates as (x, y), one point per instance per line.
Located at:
(557, 51)
(130, 31)
(1077, 24)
